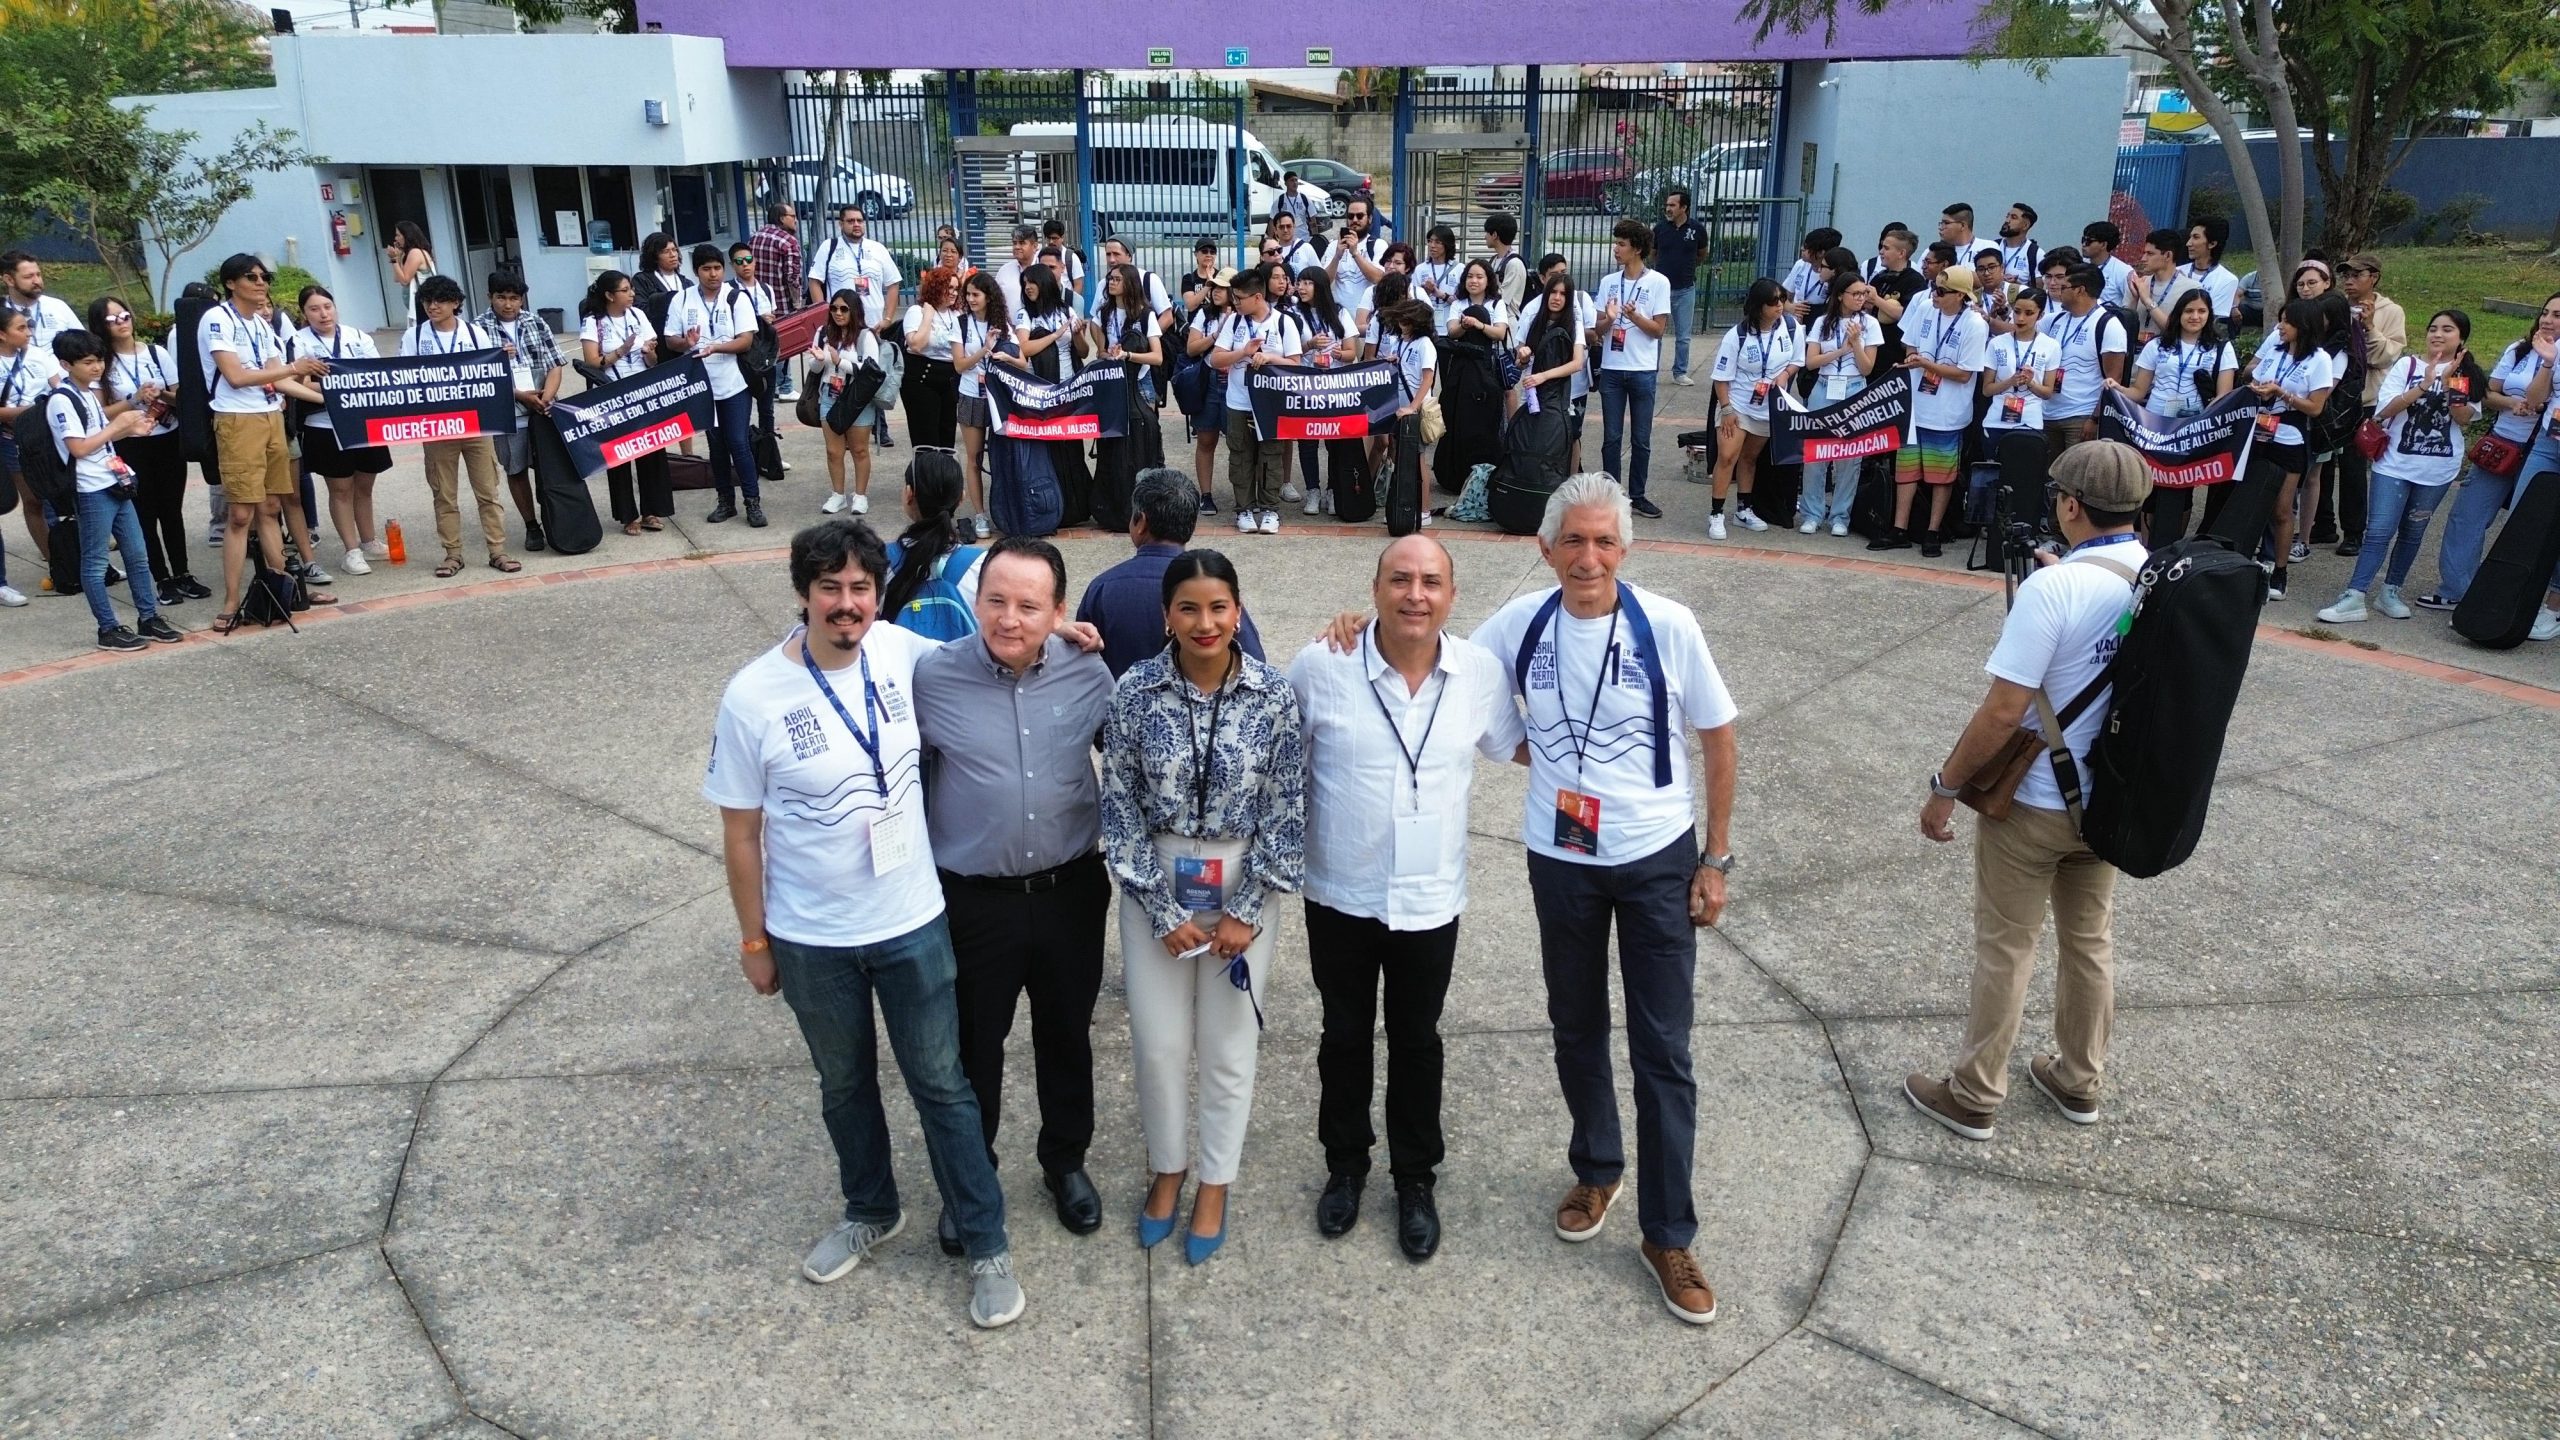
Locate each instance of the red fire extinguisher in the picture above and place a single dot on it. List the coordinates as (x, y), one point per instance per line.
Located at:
(338, 233)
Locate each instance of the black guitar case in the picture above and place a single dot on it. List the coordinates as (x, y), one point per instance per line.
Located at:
(2504, 597)
(1401, 482)
(568, 507)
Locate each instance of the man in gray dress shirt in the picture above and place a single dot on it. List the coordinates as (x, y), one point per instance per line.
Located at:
(1014, 812)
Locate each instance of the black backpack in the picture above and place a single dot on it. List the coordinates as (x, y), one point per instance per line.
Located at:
(761, 353)
(2176, 677)
(48, 479)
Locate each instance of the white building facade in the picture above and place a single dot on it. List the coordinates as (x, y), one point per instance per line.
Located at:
(506, 148)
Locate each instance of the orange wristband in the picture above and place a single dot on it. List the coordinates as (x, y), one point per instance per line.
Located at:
(756, 946)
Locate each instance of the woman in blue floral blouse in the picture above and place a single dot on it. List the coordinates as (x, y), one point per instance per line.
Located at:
(1204, 815)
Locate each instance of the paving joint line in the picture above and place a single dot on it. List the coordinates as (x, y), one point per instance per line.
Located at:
(281, 912)
(417, 1124)
(2535, 1259)
(495, 762)
(1985, 1407)
(87, 1309)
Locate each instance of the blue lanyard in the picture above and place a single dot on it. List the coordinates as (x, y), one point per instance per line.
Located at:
(870, 709)
(460, 330)
(249, 333)
(2064, 341)
(2095, 541)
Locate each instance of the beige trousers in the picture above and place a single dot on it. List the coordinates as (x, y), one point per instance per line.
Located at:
(482, 459)
(2020, 865)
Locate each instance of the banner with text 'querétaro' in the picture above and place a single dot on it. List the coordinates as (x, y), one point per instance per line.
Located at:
(618, 423)
(411, 399)
(1089, 405)
(2206, 448)
(1323, 402)
(1870, 422)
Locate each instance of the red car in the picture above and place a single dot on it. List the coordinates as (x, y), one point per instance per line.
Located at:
(1571, 179)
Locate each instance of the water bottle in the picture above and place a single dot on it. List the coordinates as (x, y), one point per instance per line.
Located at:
(391, 542)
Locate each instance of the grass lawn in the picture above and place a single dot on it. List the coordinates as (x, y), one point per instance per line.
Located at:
(2425, 280)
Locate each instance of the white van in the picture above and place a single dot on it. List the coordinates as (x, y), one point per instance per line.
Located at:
(1167, 177)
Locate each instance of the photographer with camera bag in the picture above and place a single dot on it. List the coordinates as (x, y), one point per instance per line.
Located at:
(2055, 648)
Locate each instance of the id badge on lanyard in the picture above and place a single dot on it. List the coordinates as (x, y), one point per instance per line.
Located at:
(1200, 883)
(1835, 387)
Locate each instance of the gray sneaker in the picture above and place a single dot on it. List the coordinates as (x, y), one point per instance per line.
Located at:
(995, 1297)
(844, 1247)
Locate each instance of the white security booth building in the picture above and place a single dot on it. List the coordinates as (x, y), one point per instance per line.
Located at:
(508, 149)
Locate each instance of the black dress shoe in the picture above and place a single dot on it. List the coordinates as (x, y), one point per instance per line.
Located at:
(1338, 1208)
(1079, 1204)
(1417, 1222)
(947, 1233)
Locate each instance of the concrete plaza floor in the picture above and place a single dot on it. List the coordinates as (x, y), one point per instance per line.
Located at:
(373, 1060)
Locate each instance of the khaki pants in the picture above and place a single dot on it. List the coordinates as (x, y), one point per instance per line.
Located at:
(2019, 864)
(1256, 468)
(482, 458)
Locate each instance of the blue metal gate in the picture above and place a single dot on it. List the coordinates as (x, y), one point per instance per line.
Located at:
(2155, 178)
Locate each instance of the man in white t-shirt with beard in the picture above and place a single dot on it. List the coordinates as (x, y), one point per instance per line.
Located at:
(2059, 635)
(816, 768)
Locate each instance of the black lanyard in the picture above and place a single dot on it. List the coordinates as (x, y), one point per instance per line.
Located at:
(1608, 662)
(1204, 757)
(1413, 755)
(870, 710)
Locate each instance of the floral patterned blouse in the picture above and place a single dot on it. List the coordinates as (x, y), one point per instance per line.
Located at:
(1159, 730)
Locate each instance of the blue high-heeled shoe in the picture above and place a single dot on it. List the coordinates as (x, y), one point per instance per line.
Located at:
(1197, 1248)
(1151, 1231)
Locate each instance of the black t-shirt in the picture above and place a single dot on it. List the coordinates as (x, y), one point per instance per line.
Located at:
(1905, 285)
(1676, 249)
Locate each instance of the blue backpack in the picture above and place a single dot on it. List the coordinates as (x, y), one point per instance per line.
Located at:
(937, 612)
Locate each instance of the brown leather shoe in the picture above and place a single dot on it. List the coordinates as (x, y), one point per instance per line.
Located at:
(1584, 1211)
(1684, 1287)
(2078, 1109)
(1937, 1100)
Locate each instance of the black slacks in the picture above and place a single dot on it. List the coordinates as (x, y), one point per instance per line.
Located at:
(1047, 943)
(1350, 956)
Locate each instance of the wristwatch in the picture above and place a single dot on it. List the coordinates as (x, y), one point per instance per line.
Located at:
(1721, 864)
(1939, 787)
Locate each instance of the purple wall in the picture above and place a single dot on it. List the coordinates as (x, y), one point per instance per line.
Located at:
(1039, 34)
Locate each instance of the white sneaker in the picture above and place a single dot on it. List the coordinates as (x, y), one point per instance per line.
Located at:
(10, 597)
(1327, 492)
(1715, 527)
(1270, 522)
(1749, 521)
(213, 535)
(1426, 518)
(1839, 529)
(2546, 626)
(2390, 605)
(1808, 527)
(1288, 492)
(2348, 611)
(354, 563)
(377, 550)
(1689, 380)
(861, 504)
(786, 467)
(979, 527)
(1314, 505)
(834, 505)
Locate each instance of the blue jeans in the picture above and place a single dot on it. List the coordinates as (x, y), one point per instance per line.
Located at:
(2395, 509)
(1621, 391)
(733, 447)
(1684, 318)
(1830, 488)
(830, 990)
(104, 518)
(2475, 508)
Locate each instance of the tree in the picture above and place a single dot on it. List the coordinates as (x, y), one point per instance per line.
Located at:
(619, 17)
(2378, 81)
(77, 161)
(172, 195)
